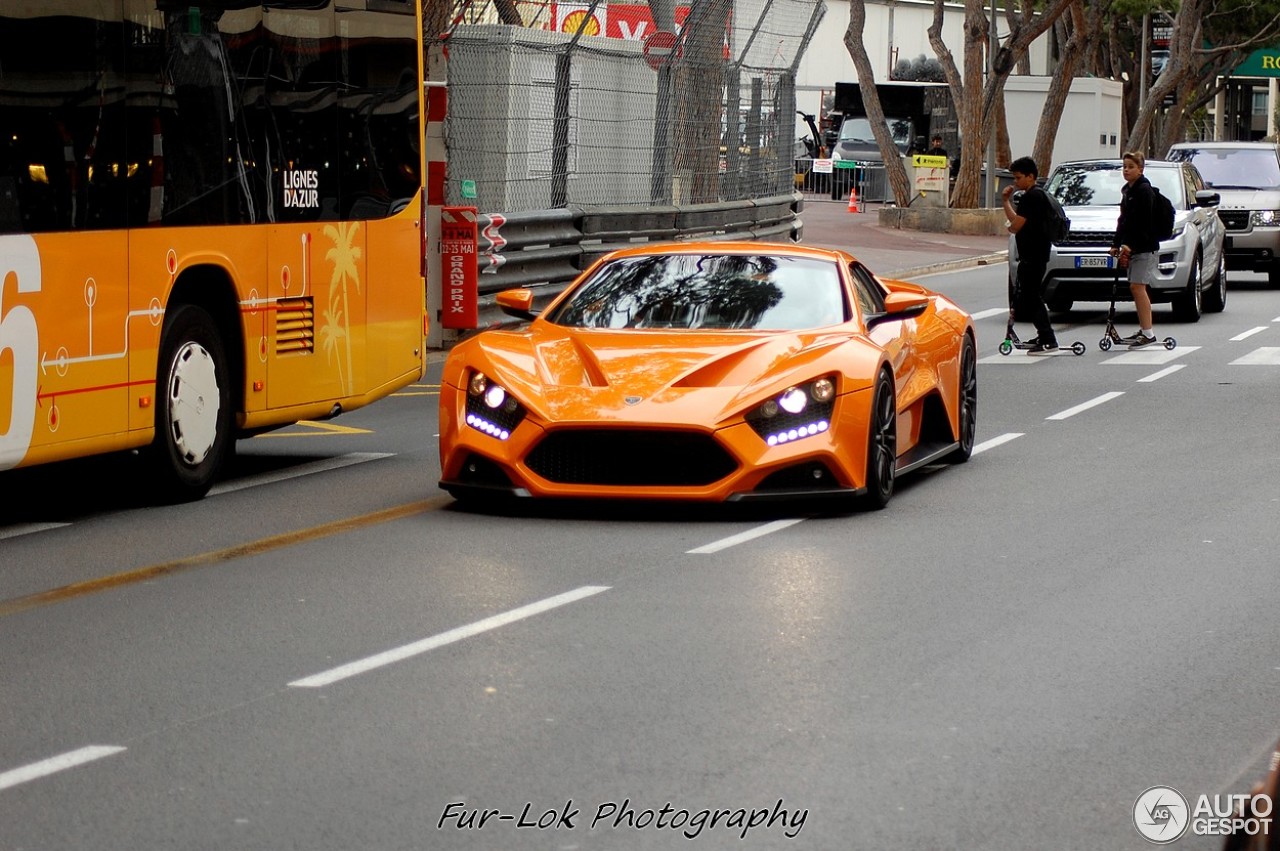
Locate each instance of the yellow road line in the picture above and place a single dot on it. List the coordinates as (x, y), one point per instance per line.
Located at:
(251, 548)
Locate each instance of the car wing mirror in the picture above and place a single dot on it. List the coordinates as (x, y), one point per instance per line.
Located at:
(899, 305)
(1205, 198)
(517, 303)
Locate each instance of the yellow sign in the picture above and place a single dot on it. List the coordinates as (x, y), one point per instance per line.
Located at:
(927, 161)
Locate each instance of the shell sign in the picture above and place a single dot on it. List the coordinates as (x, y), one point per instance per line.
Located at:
(630, 21)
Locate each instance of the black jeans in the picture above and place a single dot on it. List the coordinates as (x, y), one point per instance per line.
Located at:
(1029, 303)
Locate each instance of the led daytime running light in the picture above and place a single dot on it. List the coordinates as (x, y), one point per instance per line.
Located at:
(797, 433)
(487, 427)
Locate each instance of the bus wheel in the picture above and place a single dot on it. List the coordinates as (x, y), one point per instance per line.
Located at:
(193, 406)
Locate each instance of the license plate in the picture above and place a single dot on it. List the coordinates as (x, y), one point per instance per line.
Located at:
(1098, 262)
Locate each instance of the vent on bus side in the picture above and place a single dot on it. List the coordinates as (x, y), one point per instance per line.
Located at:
(295, 325)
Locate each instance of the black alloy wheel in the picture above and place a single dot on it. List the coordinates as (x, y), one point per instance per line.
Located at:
(968, 402)
(882, 449)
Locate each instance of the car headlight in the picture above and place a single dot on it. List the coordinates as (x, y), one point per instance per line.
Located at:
(1264, 218)
(798, 412)
(490, 408)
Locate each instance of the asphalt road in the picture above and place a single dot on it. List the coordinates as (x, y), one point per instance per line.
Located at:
(327, 654)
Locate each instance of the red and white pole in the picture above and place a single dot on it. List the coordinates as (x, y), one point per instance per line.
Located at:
(437, 98)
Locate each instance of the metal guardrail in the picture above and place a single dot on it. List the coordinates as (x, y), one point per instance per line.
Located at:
(868, 178)
(545, 250)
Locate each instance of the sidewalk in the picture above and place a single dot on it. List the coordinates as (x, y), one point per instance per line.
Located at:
(890, 252)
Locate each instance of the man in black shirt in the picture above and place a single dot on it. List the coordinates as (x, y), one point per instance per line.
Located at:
(1029, 225)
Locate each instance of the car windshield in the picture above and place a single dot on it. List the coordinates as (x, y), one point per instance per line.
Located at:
(1233, 168)
(859, 130)
(708, 291)
(1099, 186)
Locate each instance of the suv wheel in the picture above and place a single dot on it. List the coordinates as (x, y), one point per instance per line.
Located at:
(1215, 298)
(1273, 275)
(1186, 305)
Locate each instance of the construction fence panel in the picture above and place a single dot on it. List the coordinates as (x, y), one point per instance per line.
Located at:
(542, 120)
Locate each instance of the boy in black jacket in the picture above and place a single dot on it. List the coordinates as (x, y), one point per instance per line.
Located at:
(1029, 226)
(1135, 244)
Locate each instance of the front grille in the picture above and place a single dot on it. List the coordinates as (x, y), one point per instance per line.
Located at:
(1234, 219)
(1089, 237)
(628, 457)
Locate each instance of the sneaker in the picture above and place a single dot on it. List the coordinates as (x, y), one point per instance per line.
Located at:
(1043, 348)
(1131, 338)
(1140, 340)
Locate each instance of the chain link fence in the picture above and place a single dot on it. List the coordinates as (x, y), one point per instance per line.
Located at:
(543, 120)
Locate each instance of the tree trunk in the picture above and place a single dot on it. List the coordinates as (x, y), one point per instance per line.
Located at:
(894, 172)
(1073, 45)
(698, 114)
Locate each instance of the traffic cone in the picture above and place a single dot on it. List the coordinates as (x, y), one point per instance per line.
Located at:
(853, 200)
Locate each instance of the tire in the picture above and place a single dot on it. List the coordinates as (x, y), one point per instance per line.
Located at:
(193, 406)
(882, 445)
(1273, 275)
(1060, 305)
(967, 402)
(1186, 305)
(1214, 299)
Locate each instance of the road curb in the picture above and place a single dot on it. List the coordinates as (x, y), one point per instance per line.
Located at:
(950, 265)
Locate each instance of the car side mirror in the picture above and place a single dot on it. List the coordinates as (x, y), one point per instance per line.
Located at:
(899, 305)
(1205, 198)
(517, 303)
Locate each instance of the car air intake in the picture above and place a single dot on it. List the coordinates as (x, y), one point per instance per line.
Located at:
(630, 458)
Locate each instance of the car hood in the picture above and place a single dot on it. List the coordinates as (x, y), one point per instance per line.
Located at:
(579, 375)
(1092, 218)
(1248, 199)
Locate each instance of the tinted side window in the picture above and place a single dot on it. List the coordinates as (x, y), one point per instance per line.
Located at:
(63, 165)
(867, 289)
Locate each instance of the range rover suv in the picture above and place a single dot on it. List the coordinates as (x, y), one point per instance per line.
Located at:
(1246, 175)
(1191, 273)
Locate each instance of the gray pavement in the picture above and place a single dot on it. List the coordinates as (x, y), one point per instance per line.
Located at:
(891, 252)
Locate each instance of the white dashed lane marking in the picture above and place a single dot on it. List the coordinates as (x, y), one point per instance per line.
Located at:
(1156, 376)
(1084, 406)
(407, 651)
(54, 764)
(1244, 335)
(1265, 356)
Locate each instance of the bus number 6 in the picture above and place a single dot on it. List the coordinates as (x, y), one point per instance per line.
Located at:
(20, 261)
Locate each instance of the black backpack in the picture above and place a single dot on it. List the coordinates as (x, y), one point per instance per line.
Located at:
(1056, 224)
(1161, 216)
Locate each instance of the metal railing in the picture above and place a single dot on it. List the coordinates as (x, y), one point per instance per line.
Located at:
(545, 250)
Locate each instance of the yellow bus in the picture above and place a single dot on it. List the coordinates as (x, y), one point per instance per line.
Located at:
(210, 223)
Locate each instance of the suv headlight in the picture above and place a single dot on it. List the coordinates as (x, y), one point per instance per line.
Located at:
(1264, 218)
(797, 412)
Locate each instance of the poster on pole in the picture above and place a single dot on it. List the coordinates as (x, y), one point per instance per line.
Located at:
(459, 267)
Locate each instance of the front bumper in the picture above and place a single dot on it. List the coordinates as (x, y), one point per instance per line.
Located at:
(726, 464)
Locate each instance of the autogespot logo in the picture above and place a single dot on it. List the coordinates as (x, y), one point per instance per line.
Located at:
(1160, 814)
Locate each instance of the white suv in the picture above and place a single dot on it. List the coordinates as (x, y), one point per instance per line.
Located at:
(1191, 269)
(1247, 177)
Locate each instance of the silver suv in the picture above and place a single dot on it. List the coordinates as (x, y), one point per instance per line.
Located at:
(1191, 273)
(1247, 177)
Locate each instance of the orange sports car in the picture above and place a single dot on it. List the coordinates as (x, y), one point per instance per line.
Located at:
(711, 371)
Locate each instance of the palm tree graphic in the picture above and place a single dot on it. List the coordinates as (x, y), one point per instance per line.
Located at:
(337, 315)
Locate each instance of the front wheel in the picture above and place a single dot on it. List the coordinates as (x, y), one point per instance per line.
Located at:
(193, 406)
(882, 445)
(1215, 298)
(967, 402)
(1186, 305)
